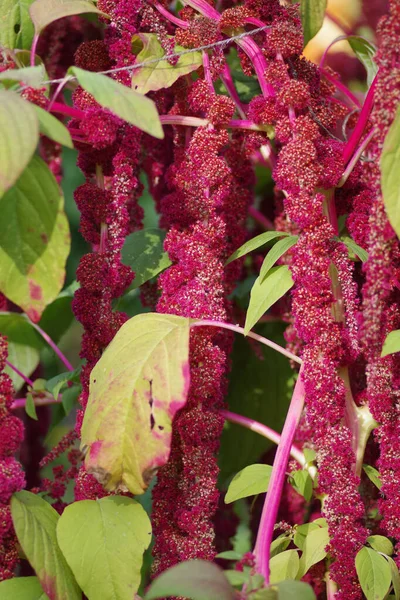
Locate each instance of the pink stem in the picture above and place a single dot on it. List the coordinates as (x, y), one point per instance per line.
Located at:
(356, 156)
(46, 401)
(254, 336)
(18, 372)
(259, 62)
(204, 8)
(33, 49)
(58, 91)
(198, 122)
(271, 505)
(361, 124)
(69, 111)
(207, 72)
(341, 87)
(263, 430)
(175, 20)
(254, 21)
(340, 38)
(260, 218)
(227, 80)
(54, 347)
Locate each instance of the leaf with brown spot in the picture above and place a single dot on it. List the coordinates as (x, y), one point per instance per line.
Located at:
(136, 388)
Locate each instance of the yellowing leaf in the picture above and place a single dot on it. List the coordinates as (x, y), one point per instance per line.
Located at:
(137, 386)
(16, 29)
(44, 12)
(160, 73)
(391, 174)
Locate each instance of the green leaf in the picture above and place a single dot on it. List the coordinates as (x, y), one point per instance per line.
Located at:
(103, 542)
(34, 240)
(70, 397)
(395, 577)
(53, 128)
(22, 588)
(355, 248)
(373, 475)
(373, 573)
(136, 387)
(58, 316)
(252, 480)
(194, 579)
(313, 549)
(312, 14)
(32, 76)
(19, 134)
(279, 545)
(294, 590)
(284, 566)
(160, 74)
(266, 292)
(122, 101)
(391, 343)
(35, 523)
(236, 578)
(16, 28)
(143, 251)
(381, 543)
(57, 383)
(277, 250)
(309, 454)
(254, 243)
(302, 483)
(44, 12)
(302, 531)
(229, 555)
(30, 407)
(365, 52)
(390, 181)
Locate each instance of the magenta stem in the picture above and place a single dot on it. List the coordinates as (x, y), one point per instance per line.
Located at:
(33, 49)
(204, 8)
(227, 80)
(58, 92)
(68, 111)
(254, 336)
(46, 401)
(340, 38)
(260, 218)
(341, 87)
(265, 534)
(207, 72)
(356, 157)
(172, 18)
(54, 347)
(259, 62)
(263, 430)
(18, 372)
(361, 124)
(254, 21)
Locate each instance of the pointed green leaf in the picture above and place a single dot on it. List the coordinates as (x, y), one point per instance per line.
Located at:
(160, 74)
(355, 248)
(35, 523)
(302, 483)
(22, 588)
(136, 387)
(16, 28)
(373, 573)
(312, 14)
(255, 243)
(32, 76)
(194, 579)
(44, 12)
(250, 481)
(391, 343)
(34, 240)
(284, 566)
(365, 52)
(53, 128)
(301, 533)
(314, 549)
(229, 555)
(390, 182)
(19, 134)
(380, 543)
(265, 293)
(103, 542)
(30, 407)
(279, 545)
(122, 101)
(236, 578)
(143, 251)
(277, 250)
(57, 383)
(395, 577)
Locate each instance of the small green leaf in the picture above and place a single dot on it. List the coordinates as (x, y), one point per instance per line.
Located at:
(53, 128)
(22, 588)
(254, 243)
(395, 577)
(229, 555)
(314, 549)
(136, 387)
(312, 14)
(301, 533)
(143, 251)
(381, 543)
(70, 397)
(16, 28)
(32, 271)
(265, 293)
(309, 454)
(57, 383)
(236, 578)
(35, 523)
(160, 74)
(122, 101)
(103, 542)
(373, 475)
(391, 343)
(32, 76)
(294, 590)
(302, 483)
(355, 248)
(30, 407)
(19, 134)
(374, 574)
(252, 480)
(365, 52)
(390, 181)
(279, 545)
(194, 579)
(44, 12)
(284, 566)
(276, 252)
